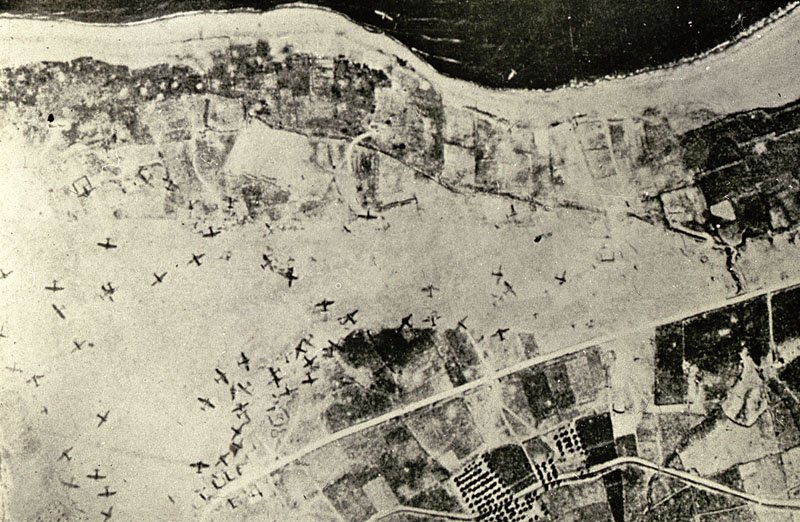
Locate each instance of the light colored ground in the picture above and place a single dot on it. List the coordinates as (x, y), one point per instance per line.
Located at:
(155, 347)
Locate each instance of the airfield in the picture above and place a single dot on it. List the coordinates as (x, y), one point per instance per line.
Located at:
(579, 274)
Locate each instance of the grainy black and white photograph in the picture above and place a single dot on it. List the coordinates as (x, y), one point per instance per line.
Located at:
(400, 261)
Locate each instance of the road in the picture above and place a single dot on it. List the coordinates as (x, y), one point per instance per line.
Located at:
(347, 184)
(699, 482)
(250, 478)
(445, 515)
(596, 472)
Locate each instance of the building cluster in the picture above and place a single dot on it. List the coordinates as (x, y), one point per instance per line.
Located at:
(491, 495)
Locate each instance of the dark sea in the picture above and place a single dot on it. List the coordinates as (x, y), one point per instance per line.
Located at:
(498, 43)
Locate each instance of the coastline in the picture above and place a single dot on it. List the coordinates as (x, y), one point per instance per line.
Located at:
(751, 70)
(712, 81)
(667, 43)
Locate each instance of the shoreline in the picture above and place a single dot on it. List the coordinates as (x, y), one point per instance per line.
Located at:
(715, 80)
(175, 37)
(744, 34)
